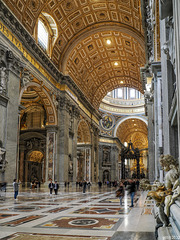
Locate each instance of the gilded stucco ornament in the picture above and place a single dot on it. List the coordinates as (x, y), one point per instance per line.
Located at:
(26, 78)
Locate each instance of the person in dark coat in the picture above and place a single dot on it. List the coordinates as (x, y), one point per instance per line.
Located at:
(132, 190)
(84, 186)
(120, 192)
(51, 187)
(56, 187)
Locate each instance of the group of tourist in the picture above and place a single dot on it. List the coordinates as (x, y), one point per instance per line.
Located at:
(131, 185)
(35, 184)
(53, 186)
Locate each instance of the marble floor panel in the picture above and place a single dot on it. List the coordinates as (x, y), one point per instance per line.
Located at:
(83, 223)
(36, 236)
(71, 214)
(107, 210)
(56, 210)
(19, 221)
(2, 215)
(25, 208)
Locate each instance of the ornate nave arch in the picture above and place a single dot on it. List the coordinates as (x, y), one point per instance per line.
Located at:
(49, 131)
(123, 119)
(47, 101)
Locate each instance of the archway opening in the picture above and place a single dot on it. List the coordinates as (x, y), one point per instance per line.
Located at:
(35, 153)
(83, 152)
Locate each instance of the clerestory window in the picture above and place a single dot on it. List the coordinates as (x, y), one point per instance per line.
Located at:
(43, 35)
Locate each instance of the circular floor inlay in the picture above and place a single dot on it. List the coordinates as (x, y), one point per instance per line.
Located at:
(83, 222)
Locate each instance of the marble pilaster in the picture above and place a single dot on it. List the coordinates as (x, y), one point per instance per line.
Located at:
(151, 162)
(76, 115)
(63, 139)
(100, 163)
(51, 153)
(12, 125)
(176, 7)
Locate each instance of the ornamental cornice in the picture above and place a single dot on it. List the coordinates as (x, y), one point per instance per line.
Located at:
(72, 85)
(148, 29)
(14, 64)
(76, 112)
(64, 104)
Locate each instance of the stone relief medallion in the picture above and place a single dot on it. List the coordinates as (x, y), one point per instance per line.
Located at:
(83, 222)
(107, 122)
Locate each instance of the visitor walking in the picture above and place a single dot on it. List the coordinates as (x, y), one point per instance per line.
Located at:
(84, 186)
(132, 190)
(56, 187)
(51, 187)
(120, 193)
(16, 188)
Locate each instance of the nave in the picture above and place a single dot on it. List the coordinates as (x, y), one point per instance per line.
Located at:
(71, 214)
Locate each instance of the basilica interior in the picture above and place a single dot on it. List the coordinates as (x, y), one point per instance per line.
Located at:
(89, 91)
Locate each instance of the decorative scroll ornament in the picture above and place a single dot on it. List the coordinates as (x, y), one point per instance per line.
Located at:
(55, 101)
(26, 78)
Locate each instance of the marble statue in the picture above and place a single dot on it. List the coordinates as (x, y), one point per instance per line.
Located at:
(3, 80)
(166, 195)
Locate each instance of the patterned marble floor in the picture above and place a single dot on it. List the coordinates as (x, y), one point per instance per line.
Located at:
(74, 215)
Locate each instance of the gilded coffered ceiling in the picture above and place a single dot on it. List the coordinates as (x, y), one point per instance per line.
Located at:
(134, 130)
(82, 50)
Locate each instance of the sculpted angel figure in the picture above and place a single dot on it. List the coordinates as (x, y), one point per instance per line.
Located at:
(167, 194)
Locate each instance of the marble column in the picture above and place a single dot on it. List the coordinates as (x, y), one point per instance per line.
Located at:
(3, 111)
(94, 153)
(151, 161)
(100, 163)
(13, 67)
(76, 115)
(63, 138)
(158, 136)
(114, 161)
(21, 162)
(176, 7)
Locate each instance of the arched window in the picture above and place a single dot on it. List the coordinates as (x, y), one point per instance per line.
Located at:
(120, 93)
(43, 35)
(125, 93)
(46, 32)
(132, 93)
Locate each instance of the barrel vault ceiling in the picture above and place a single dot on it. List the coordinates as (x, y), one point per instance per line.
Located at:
(81, 49)
(134, 130)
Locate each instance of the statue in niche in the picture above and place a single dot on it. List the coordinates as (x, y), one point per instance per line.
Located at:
(3, 80)
(165, 195)
(3, 161)
(106, 155)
